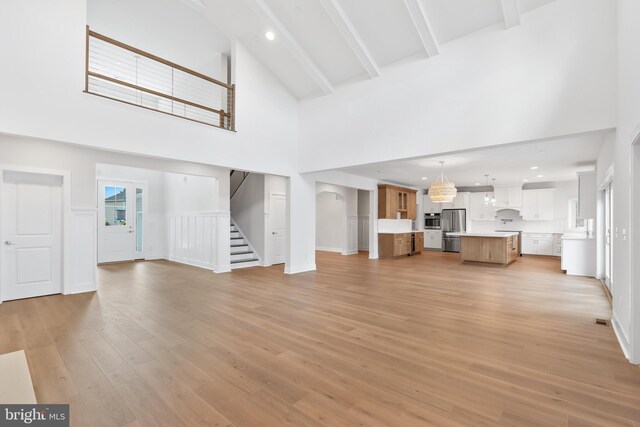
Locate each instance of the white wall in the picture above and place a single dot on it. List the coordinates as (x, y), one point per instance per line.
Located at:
(363, 203)
(186, 193)
(626, 271)
(42, 97)
(331, 221)
(605, 158)
(491, 88)
(336, 218)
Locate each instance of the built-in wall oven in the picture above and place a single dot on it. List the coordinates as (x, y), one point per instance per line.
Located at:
(432, 221)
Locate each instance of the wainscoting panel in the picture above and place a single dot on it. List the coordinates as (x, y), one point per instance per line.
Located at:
(84, 251)
(363, 232)
(192, 239)
(352, 236)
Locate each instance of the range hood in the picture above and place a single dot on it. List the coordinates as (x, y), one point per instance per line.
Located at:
(508, 213)
(501, 209)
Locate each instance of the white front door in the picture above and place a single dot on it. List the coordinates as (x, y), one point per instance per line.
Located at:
(278, 222)
(116, 221)
(31, 234)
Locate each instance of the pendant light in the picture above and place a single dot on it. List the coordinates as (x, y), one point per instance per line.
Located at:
(493, 198)
(486, 183)
(442, 191)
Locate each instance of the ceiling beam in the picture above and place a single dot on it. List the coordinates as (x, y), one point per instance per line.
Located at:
(267, 16)
(511, 13)
(342, 21)
(421, 22)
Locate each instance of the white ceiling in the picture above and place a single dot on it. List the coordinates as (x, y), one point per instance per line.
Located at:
(557, 159)
(313, 51)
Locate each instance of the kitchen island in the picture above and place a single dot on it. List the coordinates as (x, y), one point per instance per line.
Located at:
(495, 248)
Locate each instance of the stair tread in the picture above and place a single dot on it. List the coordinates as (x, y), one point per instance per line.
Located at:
(239, 246)
(237, 238)
(243, 260)
(241, 253)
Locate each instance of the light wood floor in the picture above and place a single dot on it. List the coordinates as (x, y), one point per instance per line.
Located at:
(412, 342)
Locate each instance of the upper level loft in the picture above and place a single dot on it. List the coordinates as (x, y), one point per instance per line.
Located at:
(128, 74)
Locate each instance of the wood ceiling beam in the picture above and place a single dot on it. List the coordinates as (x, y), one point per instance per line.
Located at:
(511, 13)
(302, 57)
(423, 27)
(350, 34)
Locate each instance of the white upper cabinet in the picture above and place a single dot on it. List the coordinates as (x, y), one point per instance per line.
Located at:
(537, 205)
(430, 206)
(508, 197)
(461, 201)
(587, 195)
(478, 210)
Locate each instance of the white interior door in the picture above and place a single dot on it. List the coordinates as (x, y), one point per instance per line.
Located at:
(278, 222)
(31, 234)
(116, 221)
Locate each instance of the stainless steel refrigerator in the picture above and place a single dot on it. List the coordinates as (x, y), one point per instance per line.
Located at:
(452, 220)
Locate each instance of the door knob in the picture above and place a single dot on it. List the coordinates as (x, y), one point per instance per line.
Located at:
(8, 242)
(273, 232)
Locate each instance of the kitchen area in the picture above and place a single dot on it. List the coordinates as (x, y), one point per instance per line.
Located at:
(494, 223)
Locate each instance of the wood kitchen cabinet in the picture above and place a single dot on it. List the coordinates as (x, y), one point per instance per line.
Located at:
(391, 245)
(394, 200)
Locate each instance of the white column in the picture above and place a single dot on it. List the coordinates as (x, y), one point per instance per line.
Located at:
(301, 220)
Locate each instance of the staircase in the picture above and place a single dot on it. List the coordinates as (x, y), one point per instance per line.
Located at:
(242, 254)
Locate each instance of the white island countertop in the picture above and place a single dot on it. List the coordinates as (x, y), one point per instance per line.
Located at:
(486, 234)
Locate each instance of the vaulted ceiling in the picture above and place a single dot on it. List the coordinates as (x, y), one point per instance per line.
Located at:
(321, 44)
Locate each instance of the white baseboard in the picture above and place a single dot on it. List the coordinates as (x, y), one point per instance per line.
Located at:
(328, 249)
(190, 262)
(80, 288)
(222, 269)
(354, 252)
(300, 269)
(623, 340)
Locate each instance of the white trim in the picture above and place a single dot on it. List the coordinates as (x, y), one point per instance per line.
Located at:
(300, 269)
(623, 340)
(91, 284)
(328, 249)
(66, 218)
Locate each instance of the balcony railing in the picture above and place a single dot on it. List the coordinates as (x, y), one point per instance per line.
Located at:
(124, 73)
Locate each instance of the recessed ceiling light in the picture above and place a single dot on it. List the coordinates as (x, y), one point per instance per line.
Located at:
(533, 168)
(477, 183)
(525, 180)
(424, 178)
(269, 35)
(540, 176)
